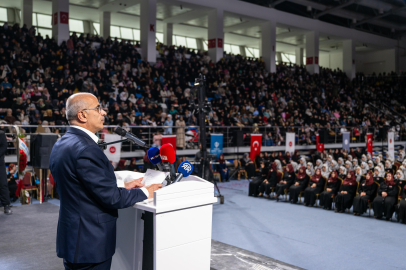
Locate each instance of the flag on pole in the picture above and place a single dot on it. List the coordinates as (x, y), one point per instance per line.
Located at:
(369, 143)
(319, 146)
(346, 141)
(256, 141)
(290, 142)
(391, 145)
(216, 144)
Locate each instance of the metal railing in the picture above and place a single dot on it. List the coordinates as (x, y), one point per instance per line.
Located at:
(188, 136)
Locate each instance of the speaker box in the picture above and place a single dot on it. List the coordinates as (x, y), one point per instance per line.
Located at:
(238, 138)
(323, 136)
(40, 149)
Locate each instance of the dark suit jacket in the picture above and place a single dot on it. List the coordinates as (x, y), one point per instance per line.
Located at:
(89, 199)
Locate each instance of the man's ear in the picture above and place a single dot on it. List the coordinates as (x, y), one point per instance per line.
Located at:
(82, 117)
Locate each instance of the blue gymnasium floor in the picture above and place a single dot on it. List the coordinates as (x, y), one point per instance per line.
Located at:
(311, 238)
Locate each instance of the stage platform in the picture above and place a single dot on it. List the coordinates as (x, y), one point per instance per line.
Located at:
(28, 241)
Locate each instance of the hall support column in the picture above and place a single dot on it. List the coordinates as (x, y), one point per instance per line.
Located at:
(349, 58)
(148, 30)
(60, 20)
(299, 56)
(168, 34)
(105, 24)
(216, 35)
(26, 13)
(312, 52)
(268, 45)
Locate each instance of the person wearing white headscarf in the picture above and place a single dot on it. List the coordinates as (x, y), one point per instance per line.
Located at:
(378, 175)
(295, 165)
(358, 174)
(377, 160)
(319, 164)
(403, 168)
(348, 165)
(349, 157)
(340, 161)
(364, 158)
(342, 172)
(302, 161)
(325, 171)
(401, 156)
(369, 156)
(389, 168)
(399, 176)
(371, 164)
(309, 169)
(354, 162)
(364, 167)
(278, 165)
(334, 166)
(382, 171)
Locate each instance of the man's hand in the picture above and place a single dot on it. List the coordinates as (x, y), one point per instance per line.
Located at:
(152, 188)
(136, 183)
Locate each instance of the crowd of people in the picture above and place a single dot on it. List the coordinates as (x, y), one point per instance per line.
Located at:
(347, 180)
(37, 76)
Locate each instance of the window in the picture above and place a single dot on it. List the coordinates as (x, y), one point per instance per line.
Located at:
(96, 27)
(191, 43)
(160, 37)
(205, 47)
(44, 20)
(248, 52)
(114, 31)
(227, 48)
(76, 26)
(126, 33)
(181, 41)
(3, 15)
(235, 49)
(255, 52)
(137, 34)
(45, 32)
(34, 19)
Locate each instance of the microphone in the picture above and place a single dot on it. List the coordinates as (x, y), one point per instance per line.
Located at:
(155, 158)
(168, 156)
(131, 137)
(184, 170)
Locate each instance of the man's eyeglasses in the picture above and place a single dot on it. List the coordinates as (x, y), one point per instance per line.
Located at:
(97, 108)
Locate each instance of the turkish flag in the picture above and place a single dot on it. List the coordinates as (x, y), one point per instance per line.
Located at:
(320, 146)
(369, 143)
(64, 16)
(170, 139)
(256, 141)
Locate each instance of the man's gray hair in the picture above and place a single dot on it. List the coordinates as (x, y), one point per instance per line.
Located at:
(72, 108)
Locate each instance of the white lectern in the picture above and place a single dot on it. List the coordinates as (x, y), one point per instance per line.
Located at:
(182, 223)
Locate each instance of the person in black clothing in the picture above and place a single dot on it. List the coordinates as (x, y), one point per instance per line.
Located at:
(301, 182)
(11, 179)
(4, 192)
(286, 182)
(270, 182)
(133, 166)
(253, 188)
(389, 168)
(387, 197)
(377, 175)
(316, 186)
(326, 197)
(347, 193)
(248, 164)
(402, 205)
(366, 192)
(263, 175)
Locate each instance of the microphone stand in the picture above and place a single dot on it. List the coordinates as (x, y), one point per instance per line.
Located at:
(200, 83)
(103, 145)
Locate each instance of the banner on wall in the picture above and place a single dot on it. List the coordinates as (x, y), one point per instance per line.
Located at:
(256, 141)
(346, 141)
(290, 142)
(391, 145)
(369, 143)
(113, 151)
(216, 144)
(319, 146)
(170, 139)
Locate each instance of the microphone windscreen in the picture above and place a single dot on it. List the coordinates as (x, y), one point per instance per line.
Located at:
(185, 168)
(168, 153)
(120, 131)
(154, 156)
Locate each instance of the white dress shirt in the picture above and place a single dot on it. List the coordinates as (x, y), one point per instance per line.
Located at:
(96, 140)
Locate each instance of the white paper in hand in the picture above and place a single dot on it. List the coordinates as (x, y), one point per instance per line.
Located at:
(154, 177)
(126, 176)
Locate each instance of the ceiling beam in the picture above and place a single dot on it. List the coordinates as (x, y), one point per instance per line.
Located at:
(118, 5)
(186, 16)
(240, 26)
(390, 12)
(329, 10)
(275, 3)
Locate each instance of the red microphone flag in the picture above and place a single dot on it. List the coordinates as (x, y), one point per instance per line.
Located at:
(256, 142)
(369, 143)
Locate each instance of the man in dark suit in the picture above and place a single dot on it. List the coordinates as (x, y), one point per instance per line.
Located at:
(87, 188)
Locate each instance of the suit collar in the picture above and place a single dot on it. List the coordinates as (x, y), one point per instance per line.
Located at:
(79, 132)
